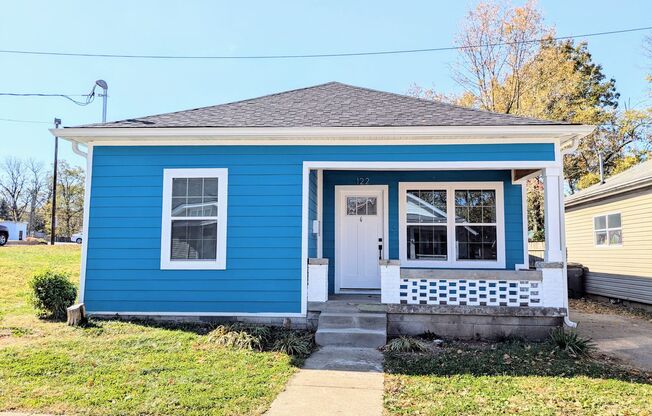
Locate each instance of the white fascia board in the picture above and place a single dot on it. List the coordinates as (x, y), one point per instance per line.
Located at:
(319, 135)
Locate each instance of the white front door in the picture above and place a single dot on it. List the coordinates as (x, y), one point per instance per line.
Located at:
(360, 237)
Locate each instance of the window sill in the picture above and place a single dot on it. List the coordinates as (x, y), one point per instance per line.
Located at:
(193, 265)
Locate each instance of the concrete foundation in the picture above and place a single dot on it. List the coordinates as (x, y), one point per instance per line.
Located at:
(463, 322)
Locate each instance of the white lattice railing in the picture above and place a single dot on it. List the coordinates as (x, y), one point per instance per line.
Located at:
(469, 292)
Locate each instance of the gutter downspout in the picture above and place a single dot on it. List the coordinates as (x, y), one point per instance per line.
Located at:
(77, 150)
(574, 145)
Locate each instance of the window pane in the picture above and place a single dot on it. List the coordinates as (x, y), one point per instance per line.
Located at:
(194, 240)
(489, 214)
(195, 186)
(475, 206)
(210, 187)
(601, 238)
(194, 197)
(426, 207)
(179, 187)
(615, 237)
(613, 221)
(426, 242)
(600, 223)
(476, 242)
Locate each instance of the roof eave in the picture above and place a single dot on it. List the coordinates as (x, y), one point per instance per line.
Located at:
(108, 134)
(634, 185)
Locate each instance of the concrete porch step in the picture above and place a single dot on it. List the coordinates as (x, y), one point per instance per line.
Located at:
(351, 337)
(372, 321)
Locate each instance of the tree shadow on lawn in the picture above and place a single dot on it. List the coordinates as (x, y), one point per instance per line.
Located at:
(510, 358)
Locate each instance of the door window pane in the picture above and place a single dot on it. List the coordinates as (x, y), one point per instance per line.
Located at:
(361, 205)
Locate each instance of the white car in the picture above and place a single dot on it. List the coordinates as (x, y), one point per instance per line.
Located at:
(77, 238)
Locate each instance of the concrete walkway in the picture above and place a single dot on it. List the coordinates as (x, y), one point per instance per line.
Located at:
(624, 337)
(335, 381)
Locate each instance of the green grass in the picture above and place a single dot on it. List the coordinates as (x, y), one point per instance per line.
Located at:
(119, 368)
(511, 378)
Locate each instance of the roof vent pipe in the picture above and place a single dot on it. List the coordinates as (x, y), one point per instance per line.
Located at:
(601, 162)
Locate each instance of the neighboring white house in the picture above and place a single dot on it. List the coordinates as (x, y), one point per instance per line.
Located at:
(17, 230)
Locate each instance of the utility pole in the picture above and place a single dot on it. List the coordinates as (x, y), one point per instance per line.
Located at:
(57, 123)
(105, 94)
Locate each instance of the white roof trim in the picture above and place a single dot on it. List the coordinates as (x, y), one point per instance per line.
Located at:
(308, 135)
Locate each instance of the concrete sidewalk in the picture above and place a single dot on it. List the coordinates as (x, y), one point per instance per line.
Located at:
(334, 381)
(624, 337)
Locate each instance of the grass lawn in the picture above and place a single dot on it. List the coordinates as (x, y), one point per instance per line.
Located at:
(511, 378)
(118, 368)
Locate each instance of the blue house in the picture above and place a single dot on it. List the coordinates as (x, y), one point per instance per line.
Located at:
(308, 205)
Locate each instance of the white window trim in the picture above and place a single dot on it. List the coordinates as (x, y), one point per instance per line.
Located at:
(452, 262)
(166, 226)
(607, 229)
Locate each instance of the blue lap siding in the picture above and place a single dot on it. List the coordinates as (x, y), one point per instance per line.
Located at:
(512, 200)
(263, 271)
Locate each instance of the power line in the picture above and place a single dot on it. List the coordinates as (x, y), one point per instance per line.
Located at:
(316, 55)
(89, 97)
(13, 120)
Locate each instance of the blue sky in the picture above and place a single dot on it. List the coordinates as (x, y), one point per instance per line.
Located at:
(143, 87)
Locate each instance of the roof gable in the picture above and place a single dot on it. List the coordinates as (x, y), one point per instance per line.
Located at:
(329, 105)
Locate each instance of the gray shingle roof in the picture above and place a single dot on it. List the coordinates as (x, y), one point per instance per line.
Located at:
(633, 178)
(329, 105)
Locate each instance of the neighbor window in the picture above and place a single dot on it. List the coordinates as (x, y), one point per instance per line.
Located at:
(451, 224)
(607, 230)
(194, 219)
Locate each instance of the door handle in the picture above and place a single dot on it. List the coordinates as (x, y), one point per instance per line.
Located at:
(380, 248)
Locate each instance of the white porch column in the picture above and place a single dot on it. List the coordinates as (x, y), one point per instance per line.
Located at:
(553, 205)
(390, 281)
(317, 280)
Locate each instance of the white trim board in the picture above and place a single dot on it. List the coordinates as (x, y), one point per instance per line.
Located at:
(85, 224)
(339, 189)
(307, 134)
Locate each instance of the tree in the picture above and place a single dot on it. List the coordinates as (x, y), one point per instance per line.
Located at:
(496, 45)
(38, 191)
(13, 187)
(510, 63)
(4, 209)
(70, 200)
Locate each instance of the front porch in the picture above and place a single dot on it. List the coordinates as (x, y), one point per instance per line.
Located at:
(440, 250)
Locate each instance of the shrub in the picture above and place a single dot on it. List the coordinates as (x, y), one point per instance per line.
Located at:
(293, 343)
(406, 344)
(52, 293)
(571, 342)
(226, 336)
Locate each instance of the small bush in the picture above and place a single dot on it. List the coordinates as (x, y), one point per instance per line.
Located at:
(226, 336)
(406, 344)
(428, 336)
(293, 343)
(52, 293)
(571, 342)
